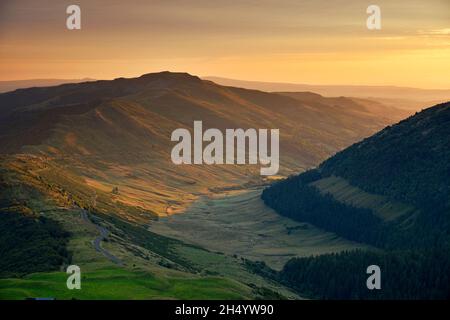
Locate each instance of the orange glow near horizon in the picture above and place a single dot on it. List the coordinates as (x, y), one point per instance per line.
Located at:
(275, 41)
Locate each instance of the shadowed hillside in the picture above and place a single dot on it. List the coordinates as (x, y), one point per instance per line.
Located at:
(390, 191)
(397, 179)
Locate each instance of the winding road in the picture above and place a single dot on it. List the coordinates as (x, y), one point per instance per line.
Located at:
(97, 241)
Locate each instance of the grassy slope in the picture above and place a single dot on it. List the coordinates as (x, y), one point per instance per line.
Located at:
(185, 270)
(116, 283)
(194, 274)
(101, 279)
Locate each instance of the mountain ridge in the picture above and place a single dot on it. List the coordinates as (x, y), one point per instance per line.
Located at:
(116, 133)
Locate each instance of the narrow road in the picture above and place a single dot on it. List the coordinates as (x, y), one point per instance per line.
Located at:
(97, 241)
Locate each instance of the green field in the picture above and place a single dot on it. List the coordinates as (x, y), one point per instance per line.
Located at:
(155, 267)
(117, 283)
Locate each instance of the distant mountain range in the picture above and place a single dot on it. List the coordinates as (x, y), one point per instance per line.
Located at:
(413, 99)
(104, 134)
(6, 86)
(400, 97)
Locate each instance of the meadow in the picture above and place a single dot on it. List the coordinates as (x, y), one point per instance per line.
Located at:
(116, 283)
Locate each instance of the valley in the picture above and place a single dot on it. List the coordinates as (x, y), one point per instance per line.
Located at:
(239, 223)
(95, 158)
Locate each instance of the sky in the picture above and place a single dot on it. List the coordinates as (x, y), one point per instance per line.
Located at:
(298, 41)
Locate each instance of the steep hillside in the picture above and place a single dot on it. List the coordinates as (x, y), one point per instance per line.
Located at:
(400, 175)
(391, 191)
(408, 162)
(88, 139)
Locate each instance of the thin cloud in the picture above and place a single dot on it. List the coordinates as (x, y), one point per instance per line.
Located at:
(435, 32)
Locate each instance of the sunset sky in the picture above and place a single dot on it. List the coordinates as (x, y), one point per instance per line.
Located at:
(300, 41)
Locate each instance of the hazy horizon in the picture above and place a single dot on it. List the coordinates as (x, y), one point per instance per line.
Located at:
(209, 77)
(303, 42)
